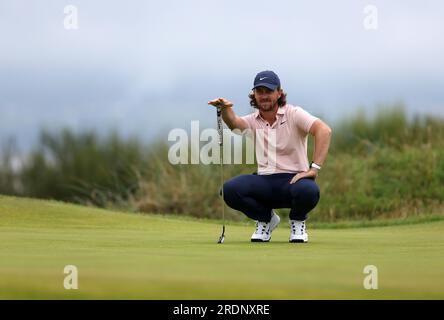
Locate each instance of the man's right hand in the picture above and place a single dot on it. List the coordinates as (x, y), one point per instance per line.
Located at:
(221, 102)
(228, 115)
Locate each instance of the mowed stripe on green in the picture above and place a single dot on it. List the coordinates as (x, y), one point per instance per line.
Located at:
(131, 256)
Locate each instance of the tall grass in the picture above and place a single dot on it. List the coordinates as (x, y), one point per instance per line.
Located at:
(78, 167)
(390, 127)
(385, 166)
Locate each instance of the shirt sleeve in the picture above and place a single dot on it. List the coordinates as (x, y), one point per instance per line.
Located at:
(303, 119)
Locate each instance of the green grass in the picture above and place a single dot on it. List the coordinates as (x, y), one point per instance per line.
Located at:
(131, 256)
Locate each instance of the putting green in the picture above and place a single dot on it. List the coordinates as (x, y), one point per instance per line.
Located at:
(131, 256)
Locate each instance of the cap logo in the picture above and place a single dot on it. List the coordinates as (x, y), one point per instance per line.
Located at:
(263, 78)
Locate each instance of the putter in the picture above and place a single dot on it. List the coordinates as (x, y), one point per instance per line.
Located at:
(221, 142)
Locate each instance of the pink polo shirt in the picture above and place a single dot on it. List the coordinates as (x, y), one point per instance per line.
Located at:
(281, 147)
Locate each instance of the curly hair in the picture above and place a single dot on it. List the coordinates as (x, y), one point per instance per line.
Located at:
(282, 101)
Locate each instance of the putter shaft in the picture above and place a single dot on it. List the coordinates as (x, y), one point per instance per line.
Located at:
(221, 142)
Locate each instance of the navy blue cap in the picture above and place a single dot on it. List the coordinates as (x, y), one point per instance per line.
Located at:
(267, 79)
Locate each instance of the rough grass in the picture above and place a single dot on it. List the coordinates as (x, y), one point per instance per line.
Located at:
(386, 166)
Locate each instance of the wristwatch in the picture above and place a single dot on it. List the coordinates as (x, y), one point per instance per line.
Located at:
(314, 165)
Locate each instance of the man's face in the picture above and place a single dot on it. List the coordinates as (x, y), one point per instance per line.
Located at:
(266, 99)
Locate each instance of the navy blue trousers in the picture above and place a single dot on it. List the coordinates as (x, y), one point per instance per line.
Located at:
(256, 195)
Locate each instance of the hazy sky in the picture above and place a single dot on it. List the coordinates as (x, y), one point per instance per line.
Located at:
(147, 66)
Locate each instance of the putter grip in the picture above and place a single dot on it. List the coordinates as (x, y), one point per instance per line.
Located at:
(219, 125)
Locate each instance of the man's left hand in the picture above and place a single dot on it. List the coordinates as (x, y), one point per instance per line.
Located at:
(312, 173)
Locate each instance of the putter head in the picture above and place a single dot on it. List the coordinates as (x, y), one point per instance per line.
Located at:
(222, 236)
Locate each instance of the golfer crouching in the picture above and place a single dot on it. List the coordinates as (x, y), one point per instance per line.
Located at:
(284, 179)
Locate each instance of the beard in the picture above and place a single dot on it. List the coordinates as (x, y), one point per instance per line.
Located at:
(267, 105)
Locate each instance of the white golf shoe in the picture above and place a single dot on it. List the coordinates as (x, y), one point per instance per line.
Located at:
(264, 229)
(298, 232)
